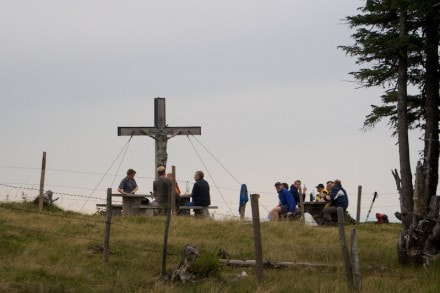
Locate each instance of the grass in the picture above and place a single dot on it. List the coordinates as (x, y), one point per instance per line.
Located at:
(59, 251)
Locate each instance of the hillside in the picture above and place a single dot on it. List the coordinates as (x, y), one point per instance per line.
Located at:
(59, 251)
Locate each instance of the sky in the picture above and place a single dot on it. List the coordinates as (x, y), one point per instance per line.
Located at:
(263, 79)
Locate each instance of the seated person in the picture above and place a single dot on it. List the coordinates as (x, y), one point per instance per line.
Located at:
(200, 193)
(338, 198)
(286, 204)
(179, 200)
(322, 193)
(296, 190)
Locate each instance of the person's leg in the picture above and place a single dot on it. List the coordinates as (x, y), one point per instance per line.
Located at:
(274, 214)
(328, 213)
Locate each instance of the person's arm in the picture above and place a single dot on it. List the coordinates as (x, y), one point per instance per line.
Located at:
(134, 190)
(177, 189)
(290, 203)
(121, 186)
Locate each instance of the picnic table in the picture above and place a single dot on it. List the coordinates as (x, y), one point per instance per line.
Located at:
(132, 203)
(315, 209)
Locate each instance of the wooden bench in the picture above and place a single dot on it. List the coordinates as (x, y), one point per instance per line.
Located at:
(199, 211)
(116, 208)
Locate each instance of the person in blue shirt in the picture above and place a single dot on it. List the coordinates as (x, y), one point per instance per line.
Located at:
(128, 185)
(286, 203)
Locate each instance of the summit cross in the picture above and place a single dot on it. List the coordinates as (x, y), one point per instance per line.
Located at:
(161, 132)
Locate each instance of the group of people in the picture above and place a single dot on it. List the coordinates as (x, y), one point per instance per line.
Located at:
(333, 194)
(162, 189)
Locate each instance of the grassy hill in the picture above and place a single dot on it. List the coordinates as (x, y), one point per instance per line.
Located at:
(59, 251)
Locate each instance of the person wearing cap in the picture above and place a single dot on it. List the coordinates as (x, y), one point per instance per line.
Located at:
(320, 196)
(128, 185)
(161, 190)
(286, 203)
(338, 198)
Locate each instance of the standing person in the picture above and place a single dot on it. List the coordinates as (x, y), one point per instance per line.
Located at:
(286, 203)
(128, 185)
(161, 190)
(200, 193)
(338, 198)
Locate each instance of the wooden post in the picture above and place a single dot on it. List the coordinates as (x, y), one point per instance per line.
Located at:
(301, 205)
(242, 210)
(344, 249)
(43, 173)
(108, 221)
(257, 238)
(355, 261)
(358, 212)
(165, 233)
(173, 190)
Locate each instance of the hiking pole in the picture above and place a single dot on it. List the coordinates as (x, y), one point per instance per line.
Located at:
(371, 206)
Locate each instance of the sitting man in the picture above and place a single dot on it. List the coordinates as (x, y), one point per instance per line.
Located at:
(338, 198)
(286, 204)
(200, 193)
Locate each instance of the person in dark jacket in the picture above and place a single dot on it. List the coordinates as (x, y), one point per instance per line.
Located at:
(296, 190)
(338, 198)
(200, 193)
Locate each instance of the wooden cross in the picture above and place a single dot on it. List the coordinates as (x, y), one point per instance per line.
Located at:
(160, 132)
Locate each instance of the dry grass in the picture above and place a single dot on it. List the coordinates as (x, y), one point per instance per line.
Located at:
(59, 251)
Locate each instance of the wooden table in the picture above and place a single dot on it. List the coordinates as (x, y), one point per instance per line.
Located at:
(131, 203)
(315, 209)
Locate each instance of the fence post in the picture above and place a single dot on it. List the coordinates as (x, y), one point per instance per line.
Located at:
(358, 212)
(167, 227)
(173, 190)
(355, 261)
(242, 211)
(108, 221)
(257, 239)
(43, 173)
(344, 249)
(301, 205)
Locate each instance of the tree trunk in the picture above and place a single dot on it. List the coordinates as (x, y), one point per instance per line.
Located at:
(431, 151)
(402, 126)
(405, 243)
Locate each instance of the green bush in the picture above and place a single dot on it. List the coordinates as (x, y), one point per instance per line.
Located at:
(207, 266)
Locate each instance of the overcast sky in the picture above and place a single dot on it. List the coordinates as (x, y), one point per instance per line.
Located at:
(263, 79)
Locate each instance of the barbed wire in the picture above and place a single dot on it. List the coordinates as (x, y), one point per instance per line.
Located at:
(353, 192)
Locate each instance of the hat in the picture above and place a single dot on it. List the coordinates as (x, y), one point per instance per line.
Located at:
(278, 183)
(320, 185)
(160, 169)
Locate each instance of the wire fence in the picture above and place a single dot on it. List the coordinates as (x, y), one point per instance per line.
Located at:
(73, 196)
